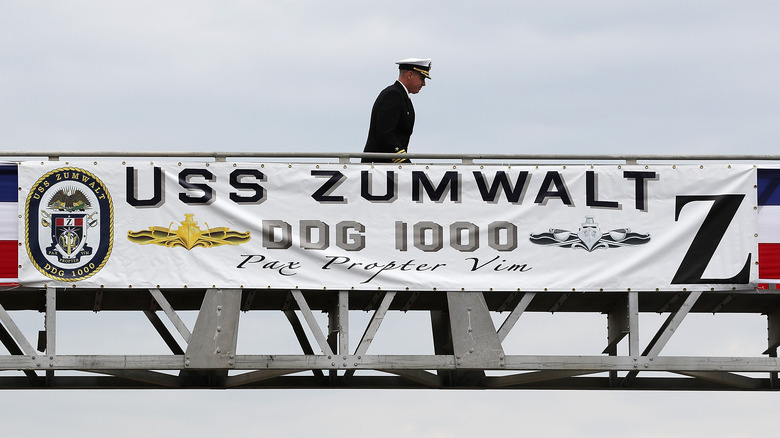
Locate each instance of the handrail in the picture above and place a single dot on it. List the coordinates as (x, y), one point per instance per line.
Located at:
(346, 157)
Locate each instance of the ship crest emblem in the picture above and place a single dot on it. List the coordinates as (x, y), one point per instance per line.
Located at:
(69, 228)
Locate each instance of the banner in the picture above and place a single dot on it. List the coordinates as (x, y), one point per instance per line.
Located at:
(169, 224)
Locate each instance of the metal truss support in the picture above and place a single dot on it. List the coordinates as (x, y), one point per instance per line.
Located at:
(159, 298)
(372, 328)
(212, 345)
(466, 331)
(16, 344)
(50, 322)
(13, 338)
(622, 321)
(514, 316)
(322, 341)
(773, 341)
(162, 330)
(664, 333)
(468, 351)
(475, 342)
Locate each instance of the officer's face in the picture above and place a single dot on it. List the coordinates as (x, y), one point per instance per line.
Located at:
(416, 82)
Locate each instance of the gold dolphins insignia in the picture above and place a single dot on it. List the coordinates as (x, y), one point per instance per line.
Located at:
(188, 235)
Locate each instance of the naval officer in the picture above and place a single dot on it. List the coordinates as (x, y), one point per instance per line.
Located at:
(392, 116)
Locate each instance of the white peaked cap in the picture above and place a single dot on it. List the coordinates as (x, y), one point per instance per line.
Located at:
(421, 65)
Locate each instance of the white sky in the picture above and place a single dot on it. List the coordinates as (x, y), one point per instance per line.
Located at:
(660, 77)
(602, 77)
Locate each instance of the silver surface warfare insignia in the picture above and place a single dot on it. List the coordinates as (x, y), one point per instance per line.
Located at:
(589, 237)
(69, 226)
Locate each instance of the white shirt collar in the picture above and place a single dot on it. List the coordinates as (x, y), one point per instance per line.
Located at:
(402, 84)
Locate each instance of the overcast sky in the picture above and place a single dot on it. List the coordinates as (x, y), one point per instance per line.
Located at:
(660, 77)
(557, 77)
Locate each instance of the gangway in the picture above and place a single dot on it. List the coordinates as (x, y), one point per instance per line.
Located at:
(334, 326)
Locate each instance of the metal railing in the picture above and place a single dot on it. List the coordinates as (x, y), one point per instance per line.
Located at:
(347, 157)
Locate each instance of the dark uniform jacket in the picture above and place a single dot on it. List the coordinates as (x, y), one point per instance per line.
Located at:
(392, 121)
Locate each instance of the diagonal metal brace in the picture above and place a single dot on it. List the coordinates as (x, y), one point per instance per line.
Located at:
(665, 333)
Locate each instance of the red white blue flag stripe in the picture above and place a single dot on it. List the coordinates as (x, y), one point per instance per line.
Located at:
(769, 225)
(8, 224)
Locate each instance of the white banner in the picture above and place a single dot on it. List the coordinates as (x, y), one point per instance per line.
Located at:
(413, 227)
